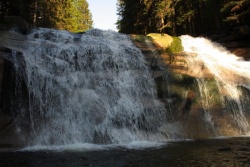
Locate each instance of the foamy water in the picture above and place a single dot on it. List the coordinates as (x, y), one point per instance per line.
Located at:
(218, 59)
(86, 88)
(83, 147)
(230, 72)
(95, 88)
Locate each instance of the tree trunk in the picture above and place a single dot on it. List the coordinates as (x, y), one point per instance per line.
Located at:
(35, 14)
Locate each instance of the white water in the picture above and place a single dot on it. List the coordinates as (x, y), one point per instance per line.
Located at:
(218, 59)
(87, 88)
(205, 99)
(82, 147)
(230, 72)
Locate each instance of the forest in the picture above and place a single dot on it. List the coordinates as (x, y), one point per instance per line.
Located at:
(70, 15)
(176, 17)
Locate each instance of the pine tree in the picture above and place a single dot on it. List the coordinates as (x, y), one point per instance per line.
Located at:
(82, 16)
(128, 11)
(135, 16)
(237, 11)
(71, 15)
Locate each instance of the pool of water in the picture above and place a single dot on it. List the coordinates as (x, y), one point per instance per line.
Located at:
(209, 152)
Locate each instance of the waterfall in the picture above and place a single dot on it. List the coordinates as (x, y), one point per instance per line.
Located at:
(232, 75)
(86, 88)
(205, 103)
(95, 87)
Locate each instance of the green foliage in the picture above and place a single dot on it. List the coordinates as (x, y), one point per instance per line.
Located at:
(237, 11)
(177, 17)
(142, 38)
(136, 16)
(176, 46)
(71, 15)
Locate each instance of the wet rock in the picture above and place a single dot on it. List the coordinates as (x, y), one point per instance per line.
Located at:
(225, 149)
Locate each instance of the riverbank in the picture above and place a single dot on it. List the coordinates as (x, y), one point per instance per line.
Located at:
(198, 153)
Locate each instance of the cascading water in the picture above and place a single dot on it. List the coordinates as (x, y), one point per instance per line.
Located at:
(205, 103)
(86, 88)
(95, 88)
(232, 74)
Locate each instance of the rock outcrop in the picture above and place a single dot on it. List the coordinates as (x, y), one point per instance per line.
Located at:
(182, 95)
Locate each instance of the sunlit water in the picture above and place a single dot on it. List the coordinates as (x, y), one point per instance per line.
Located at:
(230, 73)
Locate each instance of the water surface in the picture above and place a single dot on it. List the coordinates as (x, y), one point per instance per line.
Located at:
(210, 152)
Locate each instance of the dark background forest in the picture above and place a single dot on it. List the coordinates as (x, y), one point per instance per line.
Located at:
(175, 17)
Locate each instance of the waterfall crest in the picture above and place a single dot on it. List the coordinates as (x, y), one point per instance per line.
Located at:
(87, 88)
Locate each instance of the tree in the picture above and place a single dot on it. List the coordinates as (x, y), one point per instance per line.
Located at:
(83, 16)
(177, 17)
(130, 13)
(237, 11)
(71, 15)
(165, 13)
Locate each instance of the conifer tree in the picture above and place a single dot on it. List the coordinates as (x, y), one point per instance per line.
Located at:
(176, 17)
(83, 17)
(71, 15)
(129, 11)
(237, 11)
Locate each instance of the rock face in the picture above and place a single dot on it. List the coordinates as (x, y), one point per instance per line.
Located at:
(1, 73)
(8, 133)
(190, 92)
(177, 61)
